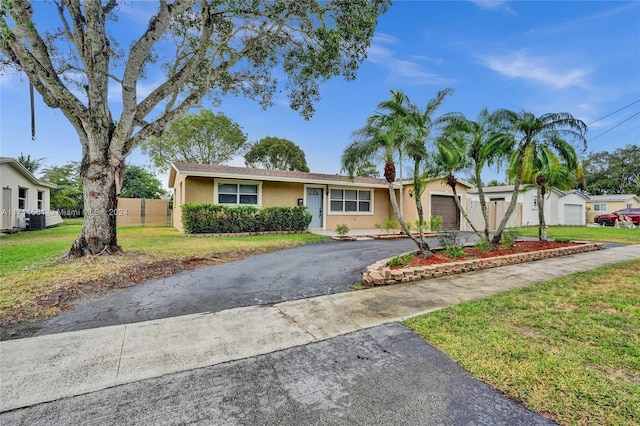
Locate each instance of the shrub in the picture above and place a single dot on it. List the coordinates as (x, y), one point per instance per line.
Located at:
(220, 219)
(483, 245)
(400, 260)
(451, 243)
(342, 229)
(509, 237)
(435, 223)
(390, 224)
(454, 252)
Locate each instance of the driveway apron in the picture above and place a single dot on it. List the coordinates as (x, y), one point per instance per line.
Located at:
(297, 273)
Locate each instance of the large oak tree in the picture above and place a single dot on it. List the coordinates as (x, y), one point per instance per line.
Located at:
(205, 47)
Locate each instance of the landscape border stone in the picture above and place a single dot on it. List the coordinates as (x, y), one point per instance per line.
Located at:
(379, 273)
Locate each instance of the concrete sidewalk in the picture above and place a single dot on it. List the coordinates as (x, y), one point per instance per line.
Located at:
(47, 368)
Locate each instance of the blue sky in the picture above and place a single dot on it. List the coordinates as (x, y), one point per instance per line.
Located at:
(544, 56)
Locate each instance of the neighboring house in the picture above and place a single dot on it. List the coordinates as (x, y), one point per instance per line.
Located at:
(598, 204)
(331, 199)
(560, 208)
(23, 195)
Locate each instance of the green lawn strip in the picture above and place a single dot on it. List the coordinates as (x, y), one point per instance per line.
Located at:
(567, 348)
(34, 250)
(584, 233)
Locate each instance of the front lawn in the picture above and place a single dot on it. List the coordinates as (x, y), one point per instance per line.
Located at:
(568, 348)
(588, 233)
(34, 279)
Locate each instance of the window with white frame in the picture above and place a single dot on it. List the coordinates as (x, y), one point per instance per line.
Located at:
(22, 198)
(601, 207)
(350, 201)
(40, 200)
(237, 193)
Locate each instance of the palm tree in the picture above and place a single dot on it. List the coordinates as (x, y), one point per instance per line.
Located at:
(31, 164)
(421, 125)
(371, 140)
(529, 131)
(475, 144)
(554, 164)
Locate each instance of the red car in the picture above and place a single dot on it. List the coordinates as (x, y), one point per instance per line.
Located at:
(609, 219)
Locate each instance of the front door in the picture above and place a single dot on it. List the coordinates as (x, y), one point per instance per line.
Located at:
(314, 204)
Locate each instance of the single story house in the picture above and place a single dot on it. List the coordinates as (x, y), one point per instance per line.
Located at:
(332, 199)
(597, 204)
(560, 207)
(23, 195)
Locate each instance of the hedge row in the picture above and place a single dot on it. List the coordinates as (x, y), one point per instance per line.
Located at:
(220, 219)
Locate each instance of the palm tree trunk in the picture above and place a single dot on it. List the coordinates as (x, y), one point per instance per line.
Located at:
(512, 206)
(462, 210)
(423, 249)
(542, 235)
(483, 202)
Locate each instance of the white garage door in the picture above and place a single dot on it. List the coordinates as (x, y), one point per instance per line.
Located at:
(572, 214)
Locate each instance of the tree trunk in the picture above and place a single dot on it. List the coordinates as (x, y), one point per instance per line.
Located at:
(512, 206)
(542, 234)
(483, 202)
(452, 185)
(102, 175)
(423, 249)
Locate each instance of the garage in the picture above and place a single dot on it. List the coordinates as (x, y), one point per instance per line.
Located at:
(572, 214)
(445, 206)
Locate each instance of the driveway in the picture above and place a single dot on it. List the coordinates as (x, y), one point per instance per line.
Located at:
(297, 273)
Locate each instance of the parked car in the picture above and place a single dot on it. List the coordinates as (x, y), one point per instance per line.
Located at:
(609, 219)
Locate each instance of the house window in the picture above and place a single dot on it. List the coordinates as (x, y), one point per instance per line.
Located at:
(237, 193)
(600, 207)
(40, 200)
(350, 200)
(22, 198)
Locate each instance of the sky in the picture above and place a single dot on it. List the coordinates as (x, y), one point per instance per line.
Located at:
(581, 57)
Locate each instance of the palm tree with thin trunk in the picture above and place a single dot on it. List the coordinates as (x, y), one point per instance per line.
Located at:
(528, 132)
(371, 140)
(472, 144)
(421, 126)
(554, 163)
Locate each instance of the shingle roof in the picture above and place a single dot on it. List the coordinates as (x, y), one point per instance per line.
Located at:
(612, 197)
(265, 174)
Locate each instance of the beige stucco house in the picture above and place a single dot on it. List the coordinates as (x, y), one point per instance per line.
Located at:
(23, 195)
(598, 204)
(331, 199)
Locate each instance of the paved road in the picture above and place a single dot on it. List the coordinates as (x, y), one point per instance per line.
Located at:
(385, 375)
(297, 273)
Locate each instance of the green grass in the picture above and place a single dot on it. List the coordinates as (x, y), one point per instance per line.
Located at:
(567, 348)
(31, 269)
(584, 233)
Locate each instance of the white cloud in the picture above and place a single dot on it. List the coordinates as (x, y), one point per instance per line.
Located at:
(501, 5)
(409, 71)
(539, 69)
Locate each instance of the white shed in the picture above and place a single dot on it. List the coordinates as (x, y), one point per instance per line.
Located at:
(560, 208)
(24, 196)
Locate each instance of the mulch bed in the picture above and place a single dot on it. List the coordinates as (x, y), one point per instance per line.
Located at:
(440, 257)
